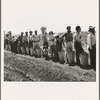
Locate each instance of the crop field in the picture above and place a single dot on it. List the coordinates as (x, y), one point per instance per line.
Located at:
(25, 68)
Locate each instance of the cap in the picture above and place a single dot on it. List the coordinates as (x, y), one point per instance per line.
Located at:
(91, 27)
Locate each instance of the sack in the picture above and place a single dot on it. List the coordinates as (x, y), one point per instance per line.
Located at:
(85, 48)
(59, 45)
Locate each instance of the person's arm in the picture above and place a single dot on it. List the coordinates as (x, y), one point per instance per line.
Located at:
(63, 43)
(28, 39)
(72, 36)
(89, 41)
(79, 38)
(39, 38)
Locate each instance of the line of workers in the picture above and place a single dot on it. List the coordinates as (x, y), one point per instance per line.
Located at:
(37, 45)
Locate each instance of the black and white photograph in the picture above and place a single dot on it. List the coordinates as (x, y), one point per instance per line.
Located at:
(66, 56)
(50, 41)
(49, 46)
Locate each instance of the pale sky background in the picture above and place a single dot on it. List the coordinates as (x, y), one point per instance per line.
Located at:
(25, 15)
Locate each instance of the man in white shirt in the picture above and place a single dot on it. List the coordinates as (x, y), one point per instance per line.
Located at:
(91, 41)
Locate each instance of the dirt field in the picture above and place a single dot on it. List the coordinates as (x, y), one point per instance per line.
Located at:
(25, 68)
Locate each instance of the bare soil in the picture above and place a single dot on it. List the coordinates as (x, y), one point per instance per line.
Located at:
(25, 68)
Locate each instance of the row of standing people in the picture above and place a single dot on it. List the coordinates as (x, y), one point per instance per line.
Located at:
(30, 44)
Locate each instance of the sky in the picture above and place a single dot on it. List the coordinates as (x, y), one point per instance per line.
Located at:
(25, 15)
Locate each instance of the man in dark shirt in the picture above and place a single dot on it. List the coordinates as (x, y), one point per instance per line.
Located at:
(69, 38)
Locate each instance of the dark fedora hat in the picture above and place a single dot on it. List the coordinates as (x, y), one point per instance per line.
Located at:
(22, 32)
(30, 32)
(26, 32)
(35, 31)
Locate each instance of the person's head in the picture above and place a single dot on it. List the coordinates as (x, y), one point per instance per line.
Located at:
(10, 33)
(35, 32)
(91, 29)
(26, 33)
(78, 29)
(7, 35)
(30, 32)
(43, 29)
(22, 33)
(68, 28)
(57, 37)
(51, 33)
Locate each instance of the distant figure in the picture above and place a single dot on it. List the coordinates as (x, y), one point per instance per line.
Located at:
(44, 42)
(77, 44)
(9, 40)
(52, 43)
(58, 47)
(14, 45)
(21, 43)
(36, 40)
(91, 40)
(69, 39)
(31, 43)
(26, 43)
(6, 39)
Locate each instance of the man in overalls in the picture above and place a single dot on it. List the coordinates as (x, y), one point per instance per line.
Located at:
(31, 43)
(26, 43)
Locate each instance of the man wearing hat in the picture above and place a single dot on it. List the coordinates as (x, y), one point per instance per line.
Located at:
(91, 41)
(31, 43)
(6, 42)
(44, 42)
(9, 40)
(26, 43)
(20, 44)
(69, 39)
(36, 40)
(52, 43)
